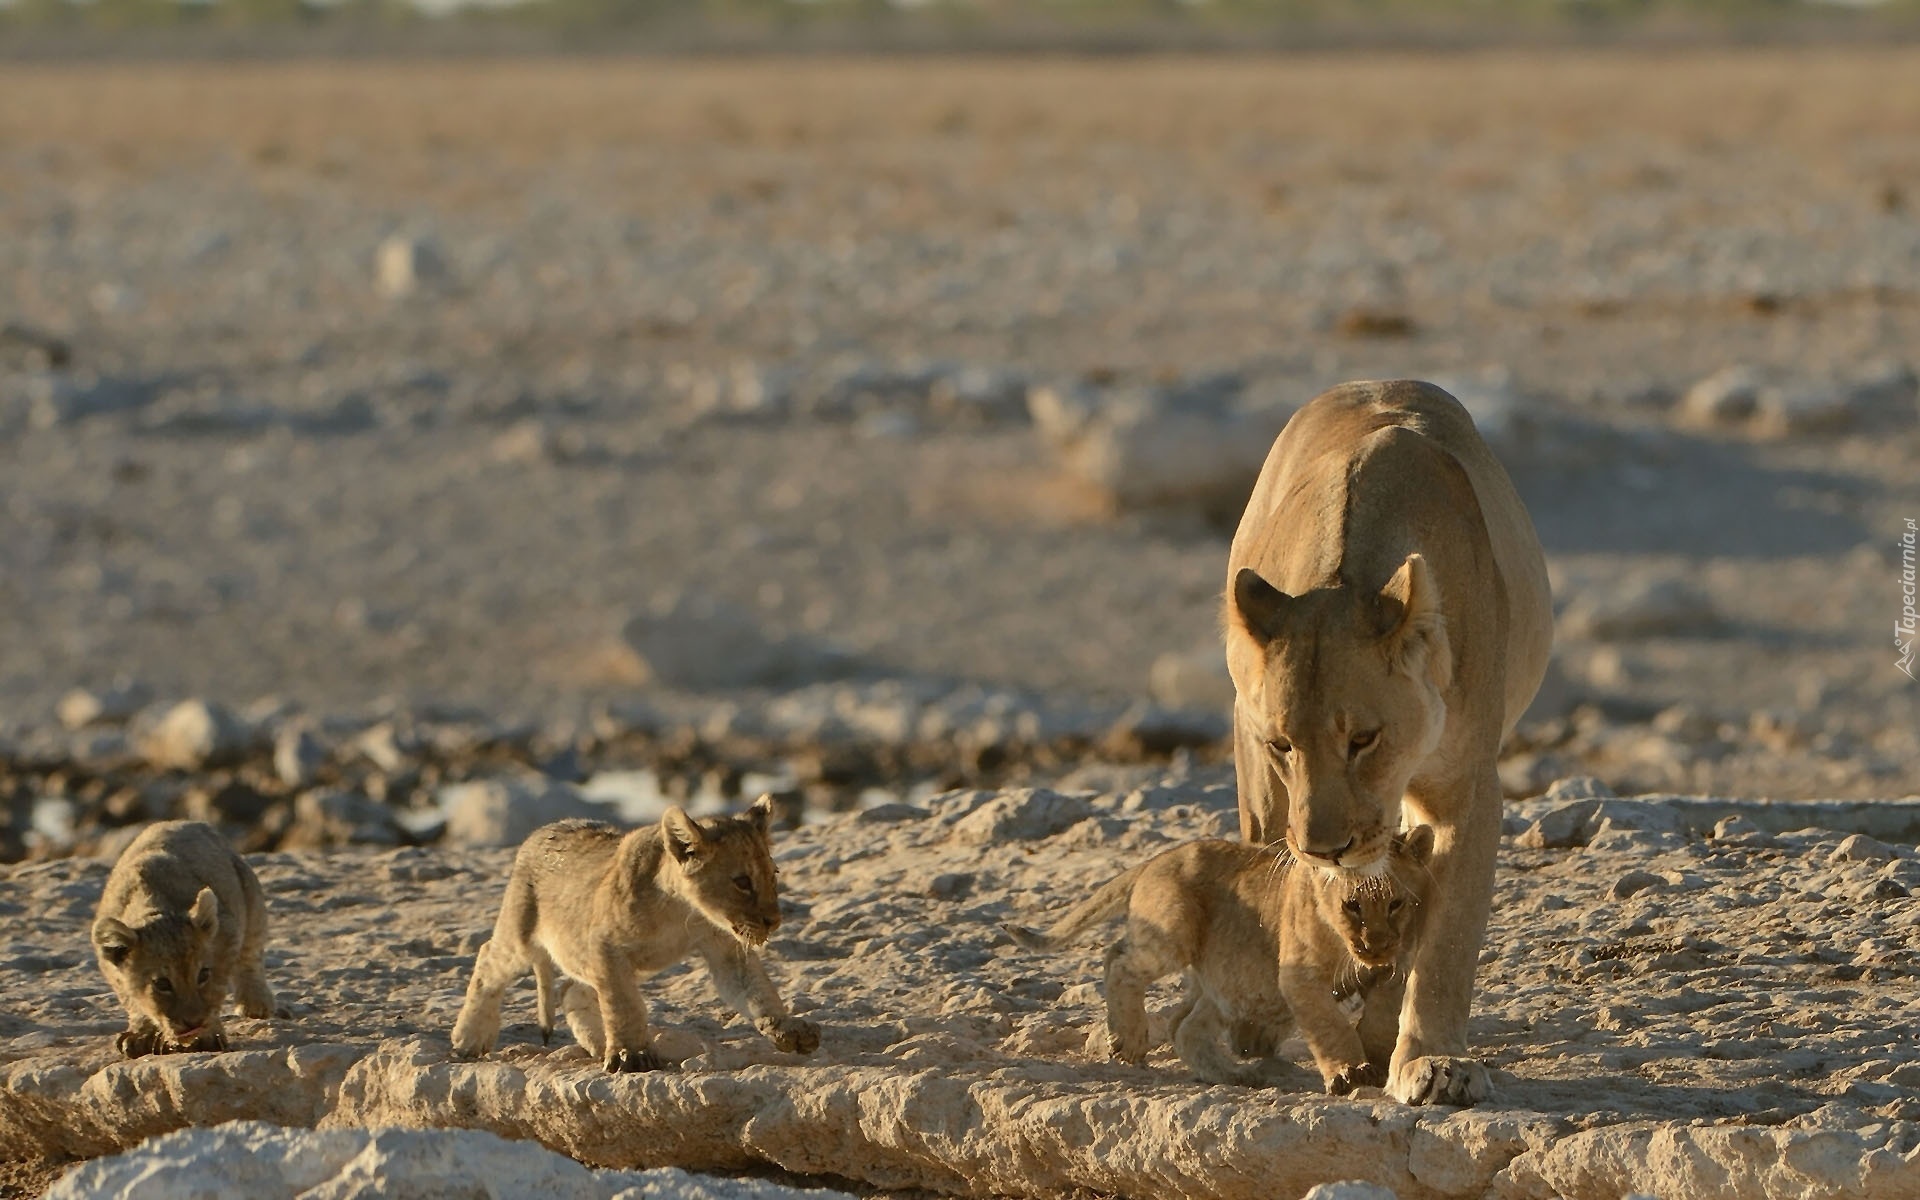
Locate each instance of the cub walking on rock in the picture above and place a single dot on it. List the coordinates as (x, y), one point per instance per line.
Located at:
(181, 920)
(1265, 941)
(603, 907)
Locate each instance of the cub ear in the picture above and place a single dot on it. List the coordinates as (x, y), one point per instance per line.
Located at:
(114, 939)
(1412, 627)
(1260, 606)
(205, 913)
(1415, 843)
(760, 815)
(684, 839)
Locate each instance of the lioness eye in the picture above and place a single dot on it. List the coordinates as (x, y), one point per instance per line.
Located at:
(163, 986)
(1281, 747)
(1360, 741)
(744, 883)
(206, 973)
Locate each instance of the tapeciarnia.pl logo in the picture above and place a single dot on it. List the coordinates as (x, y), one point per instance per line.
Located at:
(1903, 629)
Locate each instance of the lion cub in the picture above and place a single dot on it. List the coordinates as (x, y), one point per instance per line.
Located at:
(602, 908)
(1264, 941)
(182, 918)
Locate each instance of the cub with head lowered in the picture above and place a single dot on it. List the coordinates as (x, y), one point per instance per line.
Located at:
(182, 920)
(1264, 941)
(603, 908)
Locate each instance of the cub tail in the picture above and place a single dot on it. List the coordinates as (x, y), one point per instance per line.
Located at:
(1107, 902)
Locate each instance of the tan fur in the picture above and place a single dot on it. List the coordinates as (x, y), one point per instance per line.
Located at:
(182, 920)
(1387, 622)
(602, 908)
(1263, 940)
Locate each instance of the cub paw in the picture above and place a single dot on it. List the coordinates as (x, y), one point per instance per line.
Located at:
(1358, 1075)
(1440, 1079)
(135, 1043)
(794, 1035)
(621, 1062)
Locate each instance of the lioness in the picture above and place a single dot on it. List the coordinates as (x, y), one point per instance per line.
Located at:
(1387, 621)
(182, 918)
(603, 907)
(1264, 941)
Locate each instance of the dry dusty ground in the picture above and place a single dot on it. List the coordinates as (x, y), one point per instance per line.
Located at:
(763, 333)
(260, 475)
(1733, 1024)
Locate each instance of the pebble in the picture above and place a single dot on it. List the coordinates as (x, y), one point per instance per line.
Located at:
(1644, 607)
(1022, 815)
(1350, 1189)
(502, 812)
(1858, 847)
(1635, 882)
(192, 735)
(298, 754)
(404, 263)
(1726, 397)
(84, 707)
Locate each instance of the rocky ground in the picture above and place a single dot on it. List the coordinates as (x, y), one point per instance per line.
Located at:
(1679, 998)
(394, 456)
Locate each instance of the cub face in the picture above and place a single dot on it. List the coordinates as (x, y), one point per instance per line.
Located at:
(728, 868)
(166, 971)
(1372, 914)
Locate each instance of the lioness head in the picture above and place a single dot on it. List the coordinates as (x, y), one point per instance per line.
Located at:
(166, 969)
(728, 868)
(1345, 691)
(1372, 912)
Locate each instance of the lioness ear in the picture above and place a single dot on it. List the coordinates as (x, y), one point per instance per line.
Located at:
(114, 939)
(761, 814)
(1412, 626)
(1260, 606)
(683, 838)
(1415, 843)
(205, 913)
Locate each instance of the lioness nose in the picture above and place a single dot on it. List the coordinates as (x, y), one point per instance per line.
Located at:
(1328, 852)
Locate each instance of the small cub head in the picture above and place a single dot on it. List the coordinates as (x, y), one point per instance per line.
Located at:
(165, 970)
(728, 869)
(1372, 913)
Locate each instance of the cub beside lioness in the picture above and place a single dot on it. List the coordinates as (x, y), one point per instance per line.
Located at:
(1265, 941)
(181, 920)
(603, 907)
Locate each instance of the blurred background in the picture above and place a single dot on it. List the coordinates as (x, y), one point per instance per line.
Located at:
(420, 396)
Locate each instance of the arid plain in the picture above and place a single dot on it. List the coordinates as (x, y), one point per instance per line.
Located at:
(870, 427)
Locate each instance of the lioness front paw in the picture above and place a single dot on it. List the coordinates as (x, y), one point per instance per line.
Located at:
(1358, 1075)
(632, 1061)
(794, 1035)
(1440, 1079)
